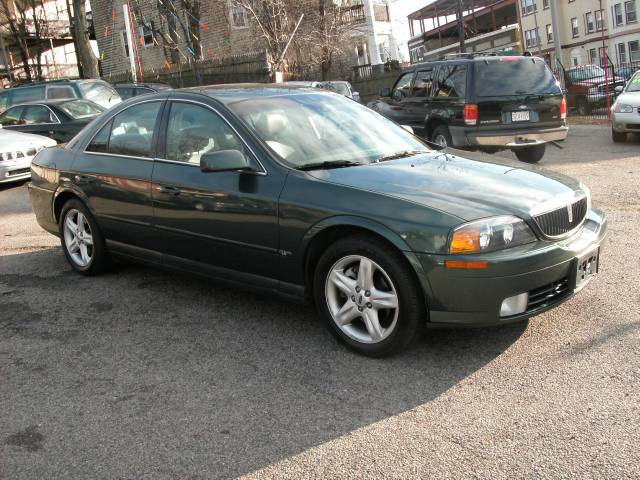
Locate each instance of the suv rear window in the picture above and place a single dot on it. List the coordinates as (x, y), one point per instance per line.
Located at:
(504, 76)
(27, 94)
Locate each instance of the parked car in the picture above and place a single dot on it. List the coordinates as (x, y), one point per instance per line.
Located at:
(625, 113)
(343, 88)
(266, 187)
(301, 83)
(626, 72)
(57, 119)
(97, 91)
(17, 149)
(479, 102)
(128, 90)
(588, 89)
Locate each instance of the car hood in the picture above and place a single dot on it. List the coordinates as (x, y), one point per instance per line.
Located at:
(629, 98)
(464, 187)
(12, 140)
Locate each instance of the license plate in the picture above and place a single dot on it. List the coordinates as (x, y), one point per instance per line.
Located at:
(520, 116)
(587, 268)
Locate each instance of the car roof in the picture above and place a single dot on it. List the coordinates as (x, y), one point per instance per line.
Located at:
(159, 86)
(50, 102)
(235, 92)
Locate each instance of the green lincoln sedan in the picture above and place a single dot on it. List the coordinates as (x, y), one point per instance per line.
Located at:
(305, 194)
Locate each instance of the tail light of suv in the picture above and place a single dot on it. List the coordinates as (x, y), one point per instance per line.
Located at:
(471, 114)
(563, 108)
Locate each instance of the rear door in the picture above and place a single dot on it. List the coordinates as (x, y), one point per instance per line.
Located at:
(450, 92)
(516, 93)
(417, 105)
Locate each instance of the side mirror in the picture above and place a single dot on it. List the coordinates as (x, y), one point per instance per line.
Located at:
(224, 161)
(619, 89)
(408, 129)
(385, 92)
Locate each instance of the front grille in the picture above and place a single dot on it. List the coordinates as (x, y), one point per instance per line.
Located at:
(548, 294)
(558, 223)
(14, 173)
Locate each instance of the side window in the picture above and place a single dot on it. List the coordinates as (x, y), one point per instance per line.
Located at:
(424, 82)
(27, 94)
(11, 116)
(401, 90)
(452, 81)
(100, 142)
(37, 114)
(60, 92)
(4, 101)
(193, 130)
(132, 130)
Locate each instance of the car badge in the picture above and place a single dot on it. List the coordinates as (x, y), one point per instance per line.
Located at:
(570, 212)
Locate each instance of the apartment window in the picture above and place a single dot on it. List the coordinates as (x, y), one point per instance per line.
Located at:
(575, 31)
(617, 14)
(602, 53)
(532, 38)
(549, 34)
(528, 6)
(146, 34)
(589, 23)
(545, 4)
(622, 53)
(125, 45)
(593, 56)
(599, 22)
(237, 15)
(630, 11)
(634, 51)
(381, 13)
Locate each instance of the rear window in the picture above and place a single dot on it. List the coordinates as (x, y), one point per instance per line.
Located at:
(81, 109)
(504, 76)
(98, 91)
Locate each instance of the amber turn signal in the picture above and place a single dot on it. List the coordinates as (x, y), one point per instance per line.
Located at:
(465, 241)
(466, 265)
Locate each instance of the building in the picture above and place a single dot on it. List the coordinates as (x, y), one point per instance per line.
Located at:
(165, 34)
(38, 34)
(623, 32)
(489, 26)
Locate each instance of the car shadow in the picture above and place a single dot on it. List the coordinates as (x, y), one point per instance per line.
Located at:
(141, 371)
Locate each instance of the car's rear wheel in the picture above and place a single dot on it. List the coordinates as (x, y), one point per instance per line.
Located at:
(584, 107)
(618, 137)
(368, 296)
(82, 240)
(442, 136)
(530, 154)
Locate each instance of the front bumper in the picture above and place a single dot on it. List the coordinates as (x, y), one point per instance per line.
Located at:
(15, 170)
(474, 297)
(626, 122)
(508, 138)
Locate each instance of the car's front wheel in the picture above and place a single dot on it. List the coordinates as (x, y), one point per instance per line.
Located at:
(442, 136)
(368, 296)
(82, 240)
(531, 154)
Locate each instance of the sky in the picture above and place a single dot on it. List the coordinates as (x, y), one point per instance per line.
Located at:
(402, 8)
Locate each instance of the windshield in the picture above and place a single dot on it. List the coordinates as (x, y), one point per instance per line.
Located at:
(306, 129)
(505, 76)
(98, 92)
(585, 73)
(78, 109)
(634, 83)
(340, 88)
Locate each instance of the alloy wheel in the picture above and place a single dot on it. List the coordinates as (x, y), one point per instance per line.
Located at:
(362, 299)
(78, 239)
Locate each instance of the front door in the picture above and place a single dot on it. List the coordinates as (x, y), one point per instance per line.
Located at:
(114, 172)
(220, 223)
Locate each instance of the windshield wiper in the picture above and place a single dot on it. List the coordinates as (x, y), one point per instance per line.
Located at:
(327, 165)
(404, 154)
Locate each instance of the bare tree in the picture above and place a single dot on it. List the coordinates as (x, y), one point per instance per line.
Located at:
(87, 61)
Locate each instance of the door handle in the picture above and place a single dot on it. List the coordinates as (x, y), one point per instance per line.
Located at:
(169, 190)
(84, 179)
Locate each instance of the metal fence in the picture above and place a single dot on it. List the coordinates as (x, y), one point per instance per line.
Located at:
(591, 89)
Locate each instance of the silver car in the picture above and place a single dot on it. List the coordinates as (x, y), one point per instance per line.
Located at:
(625, 113)
(17, 149)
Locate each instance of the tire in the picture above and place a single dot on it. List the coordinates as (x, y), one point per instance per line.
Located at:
(89, 254)
(618, 137)
(442, 134)
(584, 107)
(339, 286)
(531, 154)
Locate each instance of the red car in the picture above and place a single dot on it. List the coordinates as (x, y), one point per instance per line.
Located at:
(587, 87)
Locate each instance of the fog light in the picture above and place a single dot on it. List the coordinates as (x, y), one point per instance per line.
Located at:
(514, 305)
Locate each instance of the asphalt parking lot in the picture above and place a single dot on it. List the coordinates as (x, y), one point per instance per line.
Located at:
(144, 374)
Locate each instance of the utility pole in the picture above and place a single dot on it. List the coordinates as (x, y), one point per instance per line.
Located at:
(127, 24)
(461, 25)
(606, 64)
(556, 40)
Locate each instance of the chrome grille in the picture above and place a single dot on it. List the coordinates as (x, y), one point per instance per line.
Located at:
(547, 295)
(558, 223)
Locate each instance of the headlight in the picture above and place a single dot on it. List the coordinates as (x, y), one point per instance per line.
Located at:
(490, 234)
(619, 108)
(10, 155)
